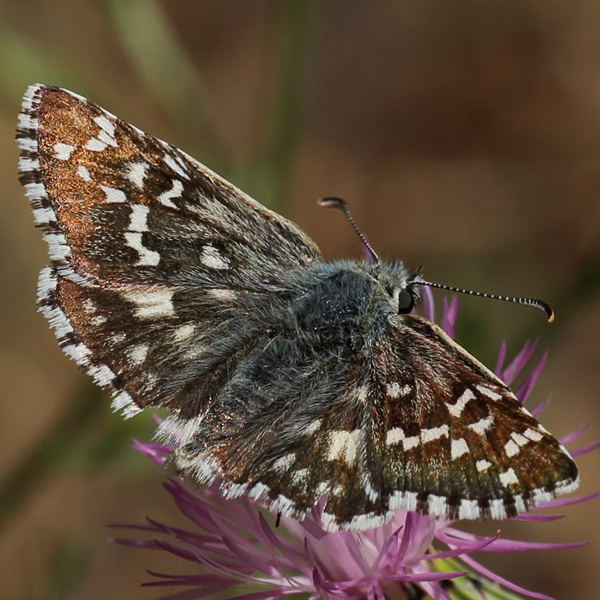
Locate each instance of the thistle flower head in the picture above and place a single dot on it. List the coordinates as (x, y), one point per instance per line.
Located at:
(236, 546)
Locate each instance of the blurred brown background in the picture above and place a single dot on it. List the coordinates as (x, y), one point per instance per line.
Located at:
(465, 135)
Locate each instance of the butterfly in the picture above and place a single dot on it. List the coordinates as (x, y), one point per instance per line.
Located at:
(288, 378)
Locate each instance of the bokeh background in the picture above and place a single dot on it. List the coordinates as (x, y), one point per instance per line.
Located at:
(466, 137)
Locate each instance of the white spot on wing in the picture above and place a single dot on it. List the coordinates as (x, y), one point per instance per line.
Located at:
(106, 139)
(483, 465)
(27, 144)
(117, 338)
(63, 151)
(511, 448)
(138, 353)
(497, 510)
(213, 259)
(43, 215)
(323, 487)
(139, 217)
(106, 125)
(456, 409)
(396, 435)
(85, 175)
(113, 195)
(520, 504)
(370, 491)
(175, 192)
(221, 293)
(28, 164)
(533, 435)
(459, 447)
(482, 425)
(508, 478)
(27, 122)
(405, 500)
(284, 463)
(124, 402)
(136, 173)
(175, 166)
(98, 320)
(337, 490)
(57, 246)
(35, 191)
(436, 505)
(395, 390)
(430, 435)
(469, 509)
(300, 477)
(518, 438)
(151, 304)
(102, 374)
(184, 332)
(95, 145)
(362, 393)
(146, 257)
(345, 444)
(486, 391)
(313, 427)
(177, 431)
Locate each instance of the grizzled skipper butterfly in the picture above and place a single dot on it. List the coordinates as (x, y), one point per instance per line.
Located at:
(286, 377)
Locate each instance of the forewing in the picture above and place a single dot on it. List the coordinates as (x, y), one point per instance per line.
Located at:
(162, 272)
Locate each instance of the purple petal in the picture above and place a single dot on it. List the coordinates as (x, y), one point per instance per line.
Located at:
(449, 315)
(409, 525)
(540, 518)
(313, 528)
(387, 552)
(567, 439)
(501, 358)
(531, 379)
(156, 452)
(428, 303)
(513, 369)
(536, 411)
(585, 449)
(462, 539)
(458, 551)
(569, 501)
(511, 586)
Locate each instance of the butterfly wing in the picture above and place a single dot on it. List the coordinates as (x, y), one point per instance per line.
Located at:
(415, 424)
(453, 439)
(163, 274)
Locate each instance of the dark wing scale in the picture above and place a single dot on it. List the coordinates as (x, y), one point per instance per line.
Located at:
(153, 255)
(480, 453)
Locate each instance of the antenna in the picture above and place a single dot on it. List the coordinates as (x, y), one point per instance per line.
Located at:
(527, 301)
(332, 202)
(343, 206)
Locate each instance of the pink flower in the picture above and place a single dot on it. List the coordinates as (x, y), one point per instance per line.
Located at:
(236, 544)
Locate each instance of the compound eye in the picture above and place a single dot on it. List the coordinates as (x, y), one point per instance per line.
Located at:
(406, 302)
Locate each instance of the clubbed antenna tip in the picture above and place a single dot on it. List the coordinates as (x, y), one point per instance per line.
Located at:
(342, 205)
(539, 304)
